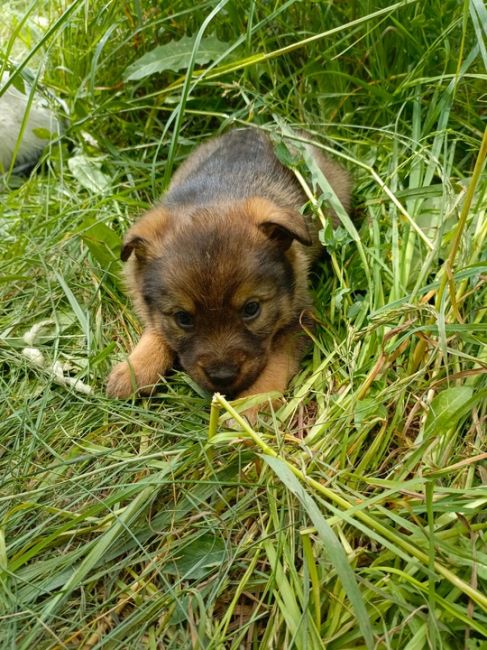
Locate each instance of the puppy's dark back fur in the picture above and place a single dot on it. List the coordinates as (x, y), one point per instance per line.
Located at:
(236, 166)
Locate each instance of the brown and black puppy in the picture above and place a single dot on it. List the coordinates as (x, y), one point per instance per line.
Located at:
(218, 271)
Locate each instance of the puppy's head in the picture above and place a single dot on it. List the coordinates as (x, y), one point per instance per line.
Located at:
(219, 282)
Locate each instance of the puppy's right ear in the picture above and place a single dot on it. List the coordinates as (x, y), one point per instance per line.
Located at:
(281, 225)
(145, 236)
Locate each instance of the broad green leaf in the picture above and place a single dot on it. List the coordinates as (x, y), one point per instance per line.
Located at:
(368, 410)
(103, 242)
(175, 56)
(197, 558)
(43, 134)
(334, 239)
(87, 172)
(447, 408)
(286, 156)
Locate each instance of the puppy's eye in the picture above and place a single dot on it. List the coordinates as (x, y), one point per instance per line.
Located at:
(250, 310)
(184, 319)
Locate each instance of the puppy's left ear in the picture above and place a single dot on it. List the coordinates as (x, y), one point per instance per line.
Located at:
(281, 225)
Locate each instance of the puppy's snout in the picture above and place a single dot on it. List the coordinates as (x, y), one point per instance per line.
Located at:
(222, 374)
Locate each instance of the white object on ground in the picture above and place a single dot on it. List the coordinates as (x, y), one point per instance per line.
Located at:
(56, 369)
(40, 121)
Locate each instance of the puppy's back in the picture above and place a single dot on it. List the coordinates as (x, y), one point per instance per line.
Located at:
(235, 166)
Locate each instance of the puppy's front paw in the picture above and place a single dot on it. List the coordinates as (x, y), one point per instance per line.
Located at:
(121, 381)
(249, 415)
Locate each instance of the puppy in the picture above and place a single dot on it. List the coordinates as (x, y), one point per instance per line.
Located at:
(218, 271)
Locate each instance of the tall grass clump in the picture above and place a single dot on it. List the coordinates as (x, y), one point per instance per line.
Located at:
(354, 515)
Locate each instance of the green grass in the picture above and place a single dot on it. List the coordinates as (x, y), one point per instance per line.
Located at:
(352, 517)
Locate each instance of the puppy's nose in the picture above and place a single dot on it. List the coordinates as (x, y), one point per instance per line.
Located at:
(222, 374)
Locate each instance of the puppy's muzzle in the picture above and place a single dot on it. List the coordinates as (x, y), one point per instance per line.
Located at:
(222, 375)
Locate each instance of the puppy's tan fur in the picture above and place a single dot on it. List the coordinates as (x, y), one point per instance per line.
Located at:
(218, 271)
